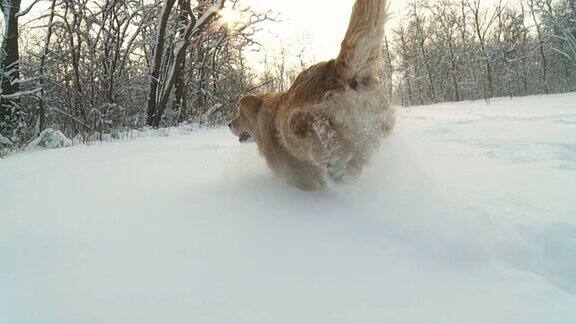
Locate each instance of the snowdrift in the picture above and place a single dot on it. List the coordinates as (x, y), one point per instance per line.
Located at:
(49, 139)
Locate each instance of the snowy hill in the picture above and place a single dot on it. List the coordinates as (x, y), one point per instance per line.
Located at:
(467, 215)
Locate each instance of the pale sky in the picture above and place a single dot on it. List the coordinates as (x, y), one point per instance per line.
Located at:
(318, 25)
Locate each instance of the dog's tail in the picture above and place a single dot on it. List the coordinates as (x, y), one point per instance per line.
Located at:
(360, 53)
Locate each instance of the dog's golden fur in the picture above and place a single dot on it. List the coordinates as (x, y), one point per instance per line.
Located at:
(334, 115)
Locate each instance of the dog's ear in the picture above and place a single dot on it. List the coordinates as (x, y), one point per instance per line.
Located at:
(250, 104)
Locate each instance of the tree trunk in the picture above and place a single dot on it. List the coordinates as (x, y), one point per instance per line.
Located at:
(194, 26)
(152, 107)
(489, 78)
(180, 94)
(10, 101)
(454, 72)
(41, 103)
(543, 60)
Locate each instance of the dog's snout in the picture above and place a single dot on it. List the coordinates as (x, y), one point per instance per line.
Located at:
(230, 125)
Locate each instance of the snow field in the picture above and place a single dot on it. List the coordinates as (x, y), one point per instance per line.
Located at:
(466, 215)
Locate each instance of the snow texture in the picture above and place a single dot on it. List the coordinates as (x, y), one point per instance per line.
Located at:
(6, 146)
(4, 142)
(49, 139)
(466, 215)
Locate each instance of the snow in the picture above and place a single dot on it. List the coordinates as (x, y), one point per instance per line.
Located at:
(466, 215)
(49, 139)
(4, 142)
(5, 146)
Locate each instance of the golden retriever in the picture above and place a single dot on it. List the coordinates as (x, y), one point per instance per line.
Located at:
(334, 116)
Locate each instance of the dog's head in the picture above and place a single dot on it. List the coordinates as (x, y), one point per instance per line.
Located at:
(244, 125)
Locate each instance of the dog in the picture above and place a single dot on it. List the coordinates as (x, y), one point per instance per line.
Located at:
(333, 117)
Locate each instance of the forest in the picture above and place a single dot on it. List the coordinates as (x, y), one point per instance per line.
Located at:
(94, 69)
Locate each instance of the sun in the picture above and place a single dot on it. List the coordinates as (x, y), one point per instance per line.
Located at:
(230, 17)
